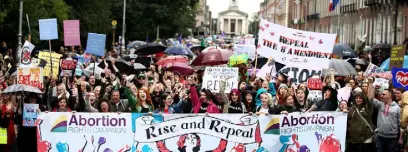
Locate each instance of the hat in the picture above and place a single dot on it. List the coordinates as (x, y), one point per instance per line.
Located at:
(282, 85)
(141, 75)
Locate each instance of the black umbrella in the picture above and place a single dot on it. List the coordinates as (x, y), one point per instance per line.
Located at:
(120, 64)
(150, 48)
(344, 51)
(357, 61)
(262, 61)
(129, 57)
(197, 47)
(382, 46)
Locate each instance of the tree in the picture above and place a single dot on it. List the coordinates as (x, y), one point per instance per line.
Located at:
(94, 16)
(143, 16)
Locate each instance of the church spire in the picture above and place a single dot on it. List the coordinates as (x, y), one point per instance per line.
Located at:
(233, 5)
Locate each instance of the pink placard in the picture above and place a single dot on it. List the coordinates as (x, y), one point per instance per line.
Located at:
(71, 33)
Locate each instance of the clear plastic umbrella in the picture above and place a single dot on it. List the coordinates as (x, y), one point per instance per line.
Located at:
(21, 88)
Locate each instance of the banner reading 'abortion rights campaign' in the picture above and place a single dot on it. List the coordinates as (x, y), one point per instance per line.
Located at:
(104, 132)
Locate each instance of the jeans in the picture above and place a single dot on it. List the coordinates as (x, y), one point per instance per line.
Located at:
(386, 144)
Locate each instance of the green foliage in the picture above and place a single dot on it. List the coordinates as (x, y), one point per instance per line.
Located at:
(142, 17)
(42, 9)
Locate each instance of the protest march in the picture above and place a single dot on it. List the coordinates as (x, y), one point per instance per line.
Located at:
(282, 90)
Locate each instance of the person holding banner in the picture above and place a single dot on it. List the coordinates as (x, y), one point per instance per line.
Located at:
(289, 105)
(265, 108)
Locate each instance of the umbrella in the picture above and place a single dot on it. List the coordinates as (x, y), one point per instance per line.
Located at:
(120, 64)
(211, 48)
(341, 68)
(89, 70)
(213, 57)
(150, 48)
(145, 61)
(238, 59)
(344, 51)
(368, 49)
(357, 61)
(170, 60)
(385, 65)
(17, 88)
(262, 61)
(179, 50)
(138, 66)
(129, 57)
(197, 47)
(136, 44)
(382, 46)
(182, 68)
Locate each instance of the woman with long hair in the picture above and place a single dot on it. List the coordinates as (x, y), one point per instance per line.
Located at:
(301, 100)
(249, 100)
(165, 104)
(360, 128)
(62, 105)
(202, 103)
(140, 102)
(288, 106)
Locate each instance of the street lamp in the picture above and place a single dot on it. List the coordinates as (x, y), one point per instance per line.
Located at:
(20, 31)
(123, 49)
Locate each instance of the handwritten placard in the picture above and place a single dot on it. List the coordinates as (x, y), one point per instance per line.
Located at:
(30, 76)
(250, 50)
(397, 56)
(214, 75)
(68, 64)
(48, 29)
(314, 83)
(96, 44)
(383, 83)
(55, 63)
(30, 115)
(72, 33)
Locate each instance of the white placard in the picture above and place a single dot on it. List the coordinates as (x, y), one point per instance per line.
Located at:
(214, 75)
(295, 47)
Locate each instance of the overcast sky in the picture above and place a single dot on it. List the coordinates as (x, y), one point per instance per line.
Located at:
(247, 6)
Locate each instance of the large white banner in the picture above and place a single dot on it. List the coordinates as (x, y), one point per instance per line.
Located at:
(214, 75)
(106, 132)
(295, 47)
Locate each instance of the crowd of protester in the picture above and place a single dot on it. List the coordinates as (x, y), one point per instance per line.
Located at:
(377, 119)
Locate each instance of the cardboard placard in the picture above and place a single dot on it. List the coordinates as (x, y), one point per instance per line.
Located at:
(397, 56)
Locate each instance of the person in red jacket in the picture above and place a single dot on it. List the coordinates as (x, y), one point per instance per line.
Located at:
(202, 103)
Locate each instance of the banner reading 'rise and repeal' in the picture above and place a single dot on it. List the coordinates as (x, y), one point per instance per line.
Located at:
(101, 132)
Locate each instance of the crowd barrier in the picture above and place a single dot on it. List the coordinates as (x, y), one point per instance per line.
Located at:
(104, 132)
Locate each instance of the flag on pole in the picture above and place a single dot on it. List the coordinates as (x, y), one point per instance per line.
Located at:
(333, 4)
(180, 38)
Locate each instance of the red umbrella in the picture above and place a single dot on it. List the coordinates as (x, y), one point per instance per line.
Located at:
(213, 57)
(171, 60)
(181, 68)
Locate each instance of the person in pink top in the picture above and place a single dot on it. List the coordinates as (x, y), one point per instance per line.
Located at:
(202, 102)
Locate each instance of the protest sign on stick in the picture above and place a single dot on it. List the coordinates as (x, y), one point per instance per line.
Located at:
(96, 44)
(72, 33)
(214, 75)
(51, 59)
